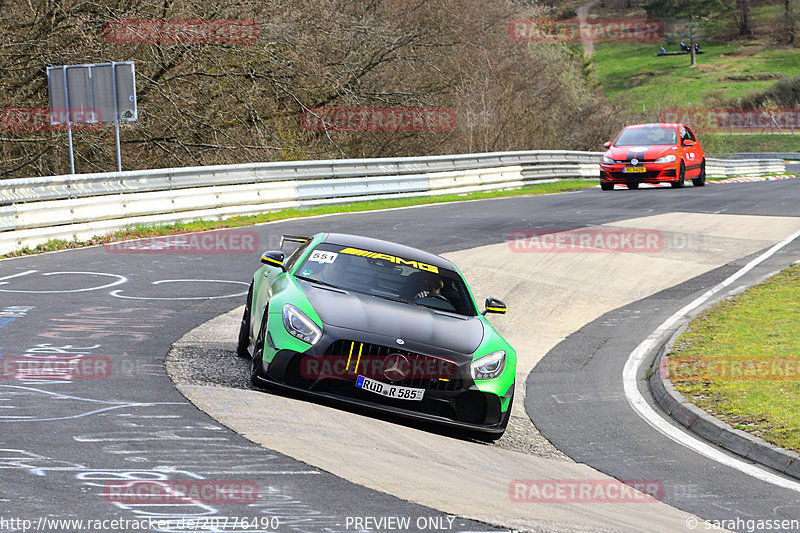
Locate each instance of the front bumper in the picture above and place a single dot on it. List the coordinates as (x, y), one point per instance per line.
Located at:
(452, 399)
(654, 173)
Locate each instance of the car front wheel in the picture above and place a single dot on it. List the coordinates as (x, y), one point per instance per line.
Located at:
(607, 186)
(244, 328)
(258, 353)
(700, 180)
(681, 178)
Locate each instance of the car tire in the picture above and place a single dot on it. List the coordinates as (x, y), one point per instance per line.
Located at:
(632, 185)
(244, 328)
(681, 178)
(700, 180)
(607, 186)
(258, 354)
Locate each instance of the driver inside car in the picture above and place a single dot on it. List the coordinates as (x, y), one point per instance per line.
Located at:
(429, 285)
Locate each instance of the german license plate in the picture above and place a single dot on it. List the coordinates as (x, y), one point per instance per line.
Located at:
(390, 391)
(628, 170)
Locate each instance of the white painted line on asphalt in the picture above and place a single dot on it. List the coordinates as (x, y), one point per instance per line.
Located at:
(16, 276)
(643, 409)
(120, 280)
(117, 293)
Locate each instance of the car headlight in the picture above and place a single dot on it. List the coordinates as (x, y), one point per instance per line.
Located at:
(607, 160)
(666, 159)
(489, 366)
(299, 325)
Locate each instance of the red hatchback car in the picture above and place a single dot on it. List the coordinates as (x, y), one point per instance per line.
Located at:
(653, 153)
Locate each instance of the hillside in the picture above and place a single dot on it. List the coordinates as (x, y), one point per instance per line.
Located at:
(240, 97)
(758, 71)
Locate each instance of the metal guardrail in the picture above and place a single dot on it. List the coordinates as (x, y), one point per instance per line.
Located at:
(78, 186)
(786, 156)
(35, 210)
(726, 168)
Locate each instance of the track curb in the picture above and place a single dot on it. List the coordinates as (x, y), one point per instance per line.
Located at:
(712, 429)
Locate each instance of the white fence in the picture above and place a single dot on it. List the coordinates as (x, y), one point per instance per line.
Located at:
(35, 210)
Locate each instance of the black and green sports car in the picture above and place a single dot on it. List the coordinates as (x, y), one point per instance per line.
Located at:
(380, 325)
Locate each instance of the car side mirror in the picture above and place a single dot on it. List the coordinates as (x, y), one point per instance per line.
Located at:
(493, 305)
(689, 143)
(607, 144)
(273, 259)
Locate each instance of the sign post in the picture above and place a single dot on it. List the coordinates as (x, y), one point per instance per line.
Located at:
(89, 94)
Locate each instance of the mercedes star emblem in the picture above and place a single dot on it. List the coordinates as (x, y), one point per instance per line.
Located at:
(395, 367)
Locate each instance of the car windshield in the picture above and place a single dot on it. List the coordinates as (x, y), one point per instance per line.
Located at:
(647, 136)
(387, 276)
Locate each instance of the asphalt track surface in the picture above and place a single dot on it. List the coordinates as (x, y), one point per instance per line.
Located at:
(575, 397)
(63, 441)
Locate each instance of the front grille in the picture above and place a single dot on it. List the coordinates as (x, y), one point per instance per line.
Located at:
(426, 371)
(638, 176)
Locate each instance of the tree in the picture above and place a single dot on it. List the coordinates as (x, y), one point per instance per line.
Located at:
(789, 20)
(744, 17)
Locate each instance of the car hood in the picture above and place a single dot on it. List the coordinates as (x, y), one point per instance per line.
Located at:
(642, 153)
(414, 324)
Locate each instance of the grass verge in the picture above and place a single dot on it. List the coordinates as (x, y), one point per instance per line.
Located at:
(142, 230)
(740, 360)
(730, 144)
(725, 72)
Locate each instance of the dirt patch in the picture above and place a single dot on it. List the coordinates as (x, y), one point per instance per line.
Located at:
(706, 68)
(752, 77)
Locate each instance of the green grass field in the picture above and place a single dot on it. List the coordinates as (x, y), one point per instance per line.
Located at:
(729, 144)
(646, 85)
(631, 74)
(740, 360)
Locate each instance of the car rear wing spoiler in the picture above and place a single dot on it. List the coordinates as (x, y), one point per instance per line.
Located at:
(293, 238)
